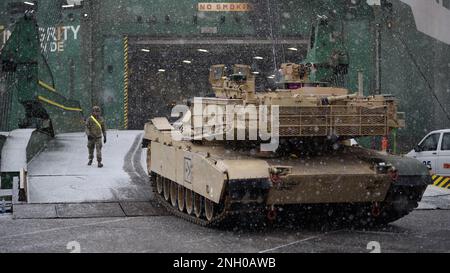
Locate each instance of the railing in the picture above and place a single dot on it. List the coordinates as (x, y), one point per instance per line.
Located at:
(16, 190)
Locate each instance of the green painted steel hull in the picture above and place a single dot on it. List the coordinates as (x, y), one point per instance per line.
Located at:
(25, 74)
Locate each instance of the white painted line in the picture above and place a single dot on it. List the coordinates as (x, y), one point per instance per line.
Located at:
(297, 242)
(63, 228)
(375, 232)
(293, 243)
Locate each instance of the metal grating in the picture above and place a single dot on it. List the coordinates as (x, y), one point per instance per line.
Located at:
(333, 120)
(350, 121)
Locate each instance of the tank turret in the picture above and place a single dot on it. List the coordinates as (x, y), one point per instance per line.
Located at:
(308, 100)
(239, 85)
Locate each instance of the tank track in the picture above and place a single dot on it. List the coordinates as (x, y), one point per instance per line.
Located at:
(218, 220)
(387, 214)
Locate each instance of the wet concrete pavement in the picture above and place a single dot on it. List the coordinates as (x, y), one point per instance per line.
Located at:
(422, 231)
(110, 210)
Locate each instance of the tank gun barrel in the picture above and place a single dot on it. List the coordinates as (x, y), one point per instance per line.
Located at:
(332, 99)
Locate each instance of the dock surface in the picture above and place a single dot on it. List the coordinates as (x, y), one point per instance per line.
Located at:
(60, 174)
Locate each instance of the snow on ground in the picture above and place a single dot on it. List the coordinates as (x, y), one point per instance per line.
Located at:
(60, 174)
(13, 154)
(144, 159)
(435, 198)
(433, 191)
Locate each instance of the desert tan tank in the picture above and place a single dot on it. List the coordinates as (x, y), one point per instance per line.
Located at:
(265, 151)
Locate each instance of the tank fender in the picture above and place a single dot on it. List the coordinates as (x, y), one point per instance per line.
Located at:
(159, 128)
(411, 172)
(244, 169)
(148, 128)
(200, 173)
(195, 171)
(248, 180)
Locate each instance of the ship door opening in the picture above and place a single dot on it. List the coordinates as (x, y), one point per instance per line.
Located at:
(167, 73)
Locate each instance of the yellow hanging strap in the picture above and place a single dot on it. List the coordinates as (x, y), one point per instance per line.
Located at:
(96, 121)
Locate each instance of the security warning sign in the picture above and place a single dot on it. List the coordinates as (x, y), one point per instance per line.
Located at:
(240, 7)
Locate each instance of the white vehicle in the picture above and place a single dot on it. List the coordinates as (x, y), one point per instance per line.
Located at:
(434, 151)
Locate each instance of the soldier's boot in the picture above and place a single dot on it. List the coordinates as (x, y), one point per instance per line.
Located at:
(90, 162)
(100, 165)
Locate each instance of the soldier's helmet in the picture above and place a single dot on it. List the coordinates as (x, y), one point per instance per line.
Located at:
(96, 109)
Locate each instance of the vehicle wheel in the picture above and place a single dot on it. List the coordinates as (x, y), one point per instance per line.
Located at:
(173, 193)
(189, 201)
(198, 205)
(181, 198)
(166, 189)
(209, 209)
(159, 184)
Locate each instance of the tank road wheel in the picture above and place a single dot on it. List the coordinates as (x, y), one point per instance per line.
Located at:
(198, 200)
(189, 201)
(209, 209)
(159, 184)
(181, 198)
(173, 193)
(166, 189)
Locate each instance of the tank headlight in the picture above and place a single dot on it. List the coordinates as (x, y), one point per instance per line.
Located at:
(393, 174)
(276, 173)
(383, 167)
(275, 178)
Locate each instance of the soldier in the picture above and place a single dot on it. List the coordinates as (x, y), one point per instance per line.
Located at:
(95, 129)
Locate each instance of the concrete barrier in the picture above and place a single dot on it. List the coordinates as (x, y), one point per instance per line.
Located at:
(17, 149)
(37, 143)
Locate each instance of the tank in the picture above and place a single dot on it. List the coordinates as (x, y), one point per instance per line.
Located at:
(283, 151)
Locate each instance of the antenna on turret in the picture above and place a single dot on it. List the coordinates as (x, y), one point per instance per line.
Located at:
(360, 83)
(376, 5)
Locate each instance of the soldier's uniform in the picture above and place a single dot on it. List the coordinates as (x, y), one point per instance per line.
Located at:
(95, 130)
